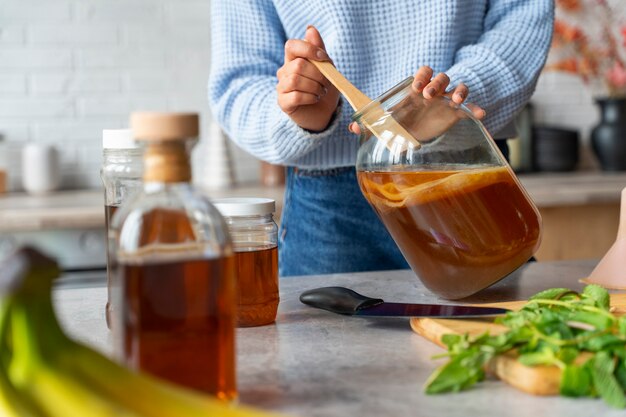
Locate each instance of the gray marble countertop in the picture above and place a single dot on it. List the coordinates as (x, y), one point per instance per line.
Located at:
(315, 363)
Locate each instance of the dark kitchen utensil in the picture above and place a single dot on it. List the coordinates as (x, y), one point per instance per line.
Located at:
(346, 301)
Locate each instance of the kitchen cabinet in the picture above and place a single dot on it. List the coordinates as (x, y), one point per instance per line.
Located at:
(580, 212)
(314, 363)
(67, 225)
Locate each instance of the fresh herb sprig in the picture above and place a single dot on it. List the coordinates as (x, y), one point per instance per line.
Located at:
(573, 331)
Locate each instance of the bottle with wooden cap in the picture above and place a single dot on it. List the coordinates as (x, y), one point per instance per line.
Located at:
(175, 267)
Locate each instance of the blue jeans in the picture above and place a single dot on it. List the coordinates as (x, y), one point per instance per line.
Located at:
(327, 226)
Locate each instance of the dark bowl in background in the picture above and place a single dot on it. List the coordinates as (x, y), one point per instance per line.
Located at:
(555, 149)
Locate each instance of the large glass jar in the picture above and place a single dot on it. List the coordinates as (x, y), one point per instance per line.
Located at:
(122, 163)
(447, 196)
(255, 242)
(175, 289)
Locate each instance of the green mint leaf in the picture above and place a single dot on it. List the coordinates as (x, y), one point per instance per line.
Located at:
(620, 373)
(501, 342)
(598, 321)
(575, 381)
(602, 342)
(605, 382)
(513, 320)
(567, 355)
(599, 295)
(450, 340)
(620, 352)
(456, 375)
(543, 357)
(550, 294)
(621, 325)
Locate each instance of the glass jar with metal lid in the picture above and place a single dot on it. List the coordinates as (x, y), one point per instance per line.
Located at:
(254, 234)
(122, 164)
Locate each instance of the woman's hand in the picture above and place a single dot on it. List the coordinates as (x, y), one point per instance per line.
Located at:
(304, 94)
(432, 87)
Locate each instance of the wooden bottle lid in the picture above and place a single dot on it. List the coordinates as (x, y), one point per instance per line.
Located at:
(163, 126)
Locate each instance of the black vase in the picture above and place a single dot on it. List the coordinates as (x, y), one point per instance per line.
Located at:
(556, 149)
(608, 138)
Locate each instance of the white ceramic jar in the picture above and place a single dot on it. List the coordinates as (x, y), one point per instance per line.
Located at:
(40, 168)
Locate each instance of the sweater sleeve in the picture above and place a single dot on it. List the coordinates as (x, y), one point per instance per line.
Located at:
(247, 48)
(502, 68)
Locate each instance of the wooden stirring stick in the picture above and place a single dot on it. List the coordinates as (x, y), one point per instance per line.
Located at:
(358, 100)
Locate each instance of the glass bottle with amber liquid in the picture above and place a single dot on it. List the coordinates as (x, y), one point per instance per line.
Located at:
(174, 267)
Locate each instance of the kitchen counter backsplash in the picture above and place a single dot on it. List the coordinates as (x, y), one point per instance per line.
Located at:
(85, 208)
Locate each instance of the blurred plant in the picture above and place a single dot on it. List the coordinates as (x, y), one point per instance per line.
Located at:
(590, 41)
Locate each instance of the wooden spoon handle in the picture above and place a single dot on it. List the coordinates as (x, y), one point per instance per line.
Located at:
(375, 120)
(355, 97)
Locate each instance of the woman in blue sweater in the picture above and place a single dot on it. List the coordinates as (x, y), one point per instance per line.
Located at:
(277, 106)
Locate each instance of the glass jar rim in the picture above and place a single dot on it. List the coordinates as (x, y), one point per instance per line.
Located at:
(244, 206)
(396, 94)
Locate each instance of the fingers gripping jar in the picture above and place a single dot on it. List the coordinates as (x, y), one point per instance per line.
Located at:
(255, 236)
(447, 196)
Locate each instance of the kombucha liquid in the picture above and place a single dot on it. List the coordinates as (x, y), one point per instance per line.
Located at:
(460, 230)
(178, 322)
(177, 308)
(257, 280)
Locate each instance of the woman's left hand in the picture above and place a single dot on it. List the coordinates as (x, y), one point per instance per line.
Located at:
(430, 87)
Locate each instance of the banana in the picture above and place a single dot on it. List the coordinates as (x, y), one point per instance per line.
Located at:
(13, 403)
(44, 373)
(173, 401)
(57, 391)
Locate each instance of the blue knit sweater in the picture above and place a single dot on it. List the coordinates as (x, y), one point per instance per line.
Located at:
(496, 47)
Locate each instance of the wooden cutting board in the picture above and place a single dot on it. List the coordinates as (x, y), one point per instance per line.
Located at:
(537, 380)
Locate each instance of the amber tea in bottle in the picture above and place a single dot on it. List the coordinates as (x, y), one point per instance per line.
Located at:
(175, 268)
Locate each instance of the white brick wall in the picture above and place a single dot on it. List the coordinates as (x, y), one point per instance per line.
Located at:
(69, 69)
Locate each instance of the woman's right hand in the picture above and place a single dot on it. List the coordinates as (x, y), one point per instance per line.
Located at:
(304, 94)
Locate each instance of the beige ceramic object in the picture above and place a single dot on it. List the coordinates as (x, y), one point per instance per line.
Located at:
(610, 271)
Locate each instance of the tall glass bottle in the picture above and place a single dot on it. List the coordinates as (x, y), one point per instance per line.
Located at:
(175, 267)
(121, 177)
